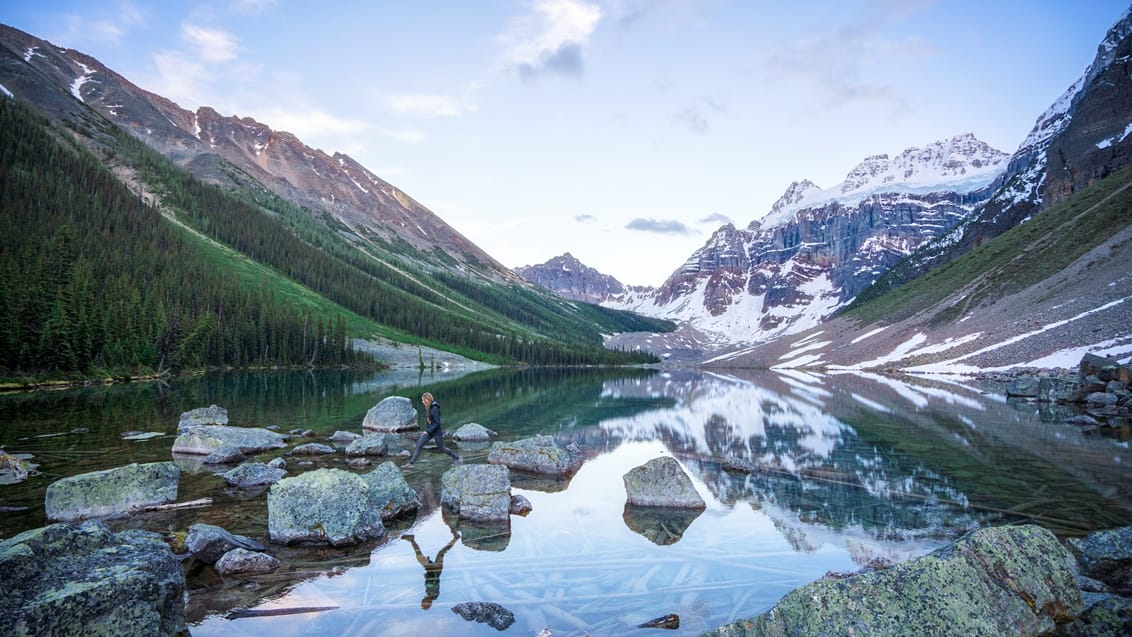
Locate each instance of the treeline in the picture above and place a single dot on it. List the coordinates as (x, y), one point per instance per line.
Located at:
(93, 280)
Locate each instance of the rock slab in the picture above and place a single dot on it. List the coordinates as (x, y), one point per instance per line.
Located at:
(66, 579)
(325, 506)
(202, 441)
(389, 493)
(112, 491)
(480, 492)
(253, 474)
(540, 455)
(661, 482)
(392, 414)
(1014, 580)
(372, 445)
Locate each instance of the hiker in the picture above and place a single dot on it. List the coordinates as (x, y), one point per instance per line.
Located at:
(432, 568)
(433, 430)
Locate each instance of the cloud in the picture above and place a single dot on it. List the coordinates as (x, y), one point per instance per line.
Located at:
(659, 226)
(550, 37)
(213, 45)
(309, 122)
(429, 105)
(79, 31)
(716, 218)
(695, 115)
(253, 6)
(584, 218)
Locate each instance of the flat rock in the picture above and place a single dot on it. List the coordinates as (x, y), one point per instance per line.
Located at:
(344, 436)
(66, 579)
(112, 491)
(540, 454)
(661, 482)
(371, 445)
(211, 415)
(313, 449)
(240, 561)
(203, 441)
(480, 493)
(253, 474)
(325, 506)
(395, 413)
(208, 542)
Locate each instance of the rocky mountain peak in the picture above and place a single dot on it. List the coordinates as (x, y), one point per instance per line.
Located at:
(571, 279)
(794, 194)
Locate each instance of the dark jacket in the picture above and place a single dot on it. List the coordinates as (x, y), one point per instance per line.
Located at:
(433, 418)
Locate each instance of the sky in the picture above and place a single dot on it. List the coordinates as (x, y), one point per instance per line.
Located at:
(622, 131)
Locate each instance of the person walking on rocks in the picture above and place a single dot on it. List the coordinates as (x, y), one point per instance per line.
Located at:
(433, 429)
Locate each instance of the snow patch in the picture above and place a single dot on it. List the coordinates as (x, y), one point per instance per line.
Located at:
(76, 86)
(5, 91)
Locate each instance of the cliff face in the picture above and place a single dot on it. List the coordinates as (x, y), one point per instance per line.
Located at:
(571, 279)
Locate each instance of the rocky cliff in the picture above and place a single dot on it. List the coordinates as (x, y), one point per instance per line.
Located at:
(571, 279)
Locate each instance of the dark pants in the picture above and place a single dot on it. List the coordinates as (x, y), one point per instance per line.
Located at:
(437, 434)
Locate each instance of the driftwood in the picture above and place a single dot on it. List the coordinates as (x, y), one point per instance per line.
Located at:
(203, 502)
(275, 612)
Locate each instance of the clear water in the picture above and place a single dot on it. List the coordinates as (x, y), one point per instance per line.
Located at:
(802, 475)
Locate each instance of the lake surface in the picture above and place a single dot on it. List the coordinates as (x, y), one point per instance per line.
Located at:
(802, 474)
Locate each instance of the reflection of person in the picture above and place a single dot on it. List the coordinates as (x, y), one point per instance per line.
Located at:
(432, 430)
(432, 568)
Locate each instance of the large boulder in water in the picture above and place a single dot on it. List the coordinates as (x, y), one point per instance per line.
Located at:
(479, 492)
(112, 491)
(395, 413)
(540, 454)
(202, 441)
(208, 542)
(326, 506)
(389, 492)
(211, 415)
(1014, 580)
(661, 482)
(65, 579)
(473, 432)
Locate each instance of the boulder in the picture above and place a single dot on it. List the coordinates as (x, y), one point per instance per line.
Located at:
(66, 579)
(661, 482)
(344, 436)
(1100, 398)
(112, 491)
(253, 474)
(225, 455)
(489, 613)
(202, 441)
(373, 445)
(520, 505)
(211, 415)
(540, 455)
(313, 449)
(1015, 580)
(473, 432)
(277, 463)
(1104, 368)
(1104, 616)
(1106, 556)
(1023, 387)
(389, 492)
(1058, 389)
(207, 542)
(480, 493)
(392, 414)
(325, 506)
(244, 562)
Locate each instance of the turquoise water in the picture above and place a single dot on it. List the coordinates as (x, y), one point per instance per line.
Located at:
(802, 475)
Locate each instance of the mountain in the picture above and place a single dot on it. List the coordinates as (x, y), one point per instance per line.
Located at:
(818, 248)
(140, 237)
(571, 279)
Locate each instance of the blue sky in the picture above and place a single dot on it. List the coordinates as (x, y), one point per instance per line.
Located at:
(622, 131)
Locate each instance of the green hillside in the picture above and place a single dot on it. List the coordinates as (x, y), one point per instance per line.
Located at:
(96, 280)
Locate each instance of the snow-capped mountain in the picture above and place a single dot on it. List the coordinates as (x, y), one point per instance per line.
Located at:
(571, 279)
(817, 248)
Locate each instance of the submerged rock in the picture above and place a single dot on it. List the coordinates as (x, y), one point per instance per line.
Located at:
(372, 445)
(240, 561)
(660, 525)
(661, 482)
(208, 542)
(211, 415)
(253, 474)
(540, 455)
(395, 413)
(488, 613)
(479, 492)
(112, 491)
(1013, 580)
(65, 579)
(473, 432)
(204, 440)
(389, 492)
(328, 506)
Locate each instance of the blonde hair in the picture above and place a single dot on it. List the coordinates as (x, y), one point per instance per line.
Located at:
(427, 397)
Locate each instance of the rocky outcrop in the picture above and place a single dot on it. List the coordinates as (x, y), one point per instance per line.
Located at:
(208, 542)
(1101, 387)
(541, 455)
(211, 415)
(325, 506)
(389, 493)
(392, 414)
(112, 491)
(661, 482)
(253, 474)
(248, 440)
(70, 580)
(479, 493)
(372, 445)
(570, 279)
(994, 581)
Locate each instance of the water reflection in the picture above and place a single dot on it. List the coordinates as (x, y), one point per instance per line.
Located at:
(802, 474)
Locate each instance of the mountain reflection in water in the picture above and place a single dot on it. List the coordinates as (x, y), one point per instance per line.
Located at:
(802, 474)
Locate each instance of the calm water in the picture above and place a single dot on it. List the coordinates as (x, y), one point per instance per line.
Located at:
(802, 475)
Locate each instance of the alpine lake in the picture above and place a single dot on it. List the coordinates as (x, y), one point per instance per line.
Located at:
(803, 474)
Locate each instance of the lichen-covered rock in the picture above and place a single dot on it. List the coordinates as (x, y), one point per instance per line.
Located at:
(489, 613)
(225, 455)
(112, 491)
(389, 492)
(244, 562)
(480, 492)
(253, 474)
(395, 413)
(65, 579)
(328, 506)
(211, 415)
(372, 445)
(1106, 556)
(313, 449)
(208, 542)
(995, 581)
(661, 482)
(473, 432)
(1105, 615)
(202, 441)
(540, 455)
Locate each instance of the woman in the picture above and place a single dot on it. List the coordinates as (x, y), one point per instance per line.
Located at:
(432, 430)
